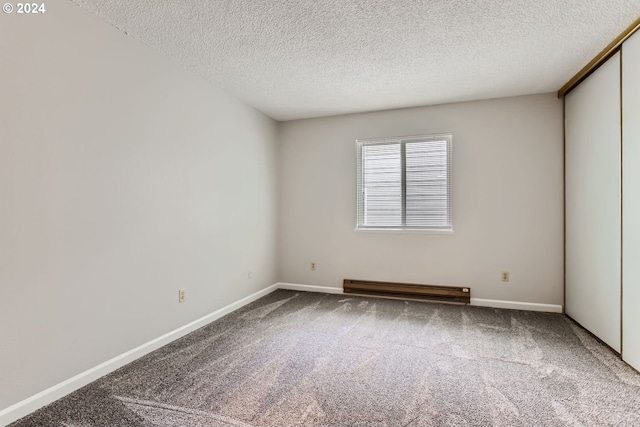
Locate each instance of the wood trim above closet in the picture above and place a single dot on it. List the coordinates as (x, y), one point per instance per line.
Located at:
(600, 58)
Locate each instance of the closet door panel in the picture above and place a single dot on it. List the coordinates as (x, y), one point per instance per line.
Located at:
(593, 211)
(631, 201)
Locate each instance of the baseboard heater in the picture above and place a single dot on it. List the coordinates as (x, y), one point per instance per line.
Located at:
(450, 294)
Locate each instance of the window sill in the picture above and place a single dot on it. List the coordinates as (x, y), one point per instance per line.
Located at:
(403, 230)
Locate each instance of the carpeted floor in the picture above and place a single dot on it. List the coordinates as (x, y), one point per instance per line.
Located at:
(305, 359)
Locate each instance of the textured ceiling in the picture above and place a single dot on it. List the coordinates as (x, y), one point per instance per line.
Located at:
(308, 58)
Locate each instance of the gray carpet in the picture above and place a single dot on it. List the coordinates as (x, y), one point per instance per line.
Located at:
(304, 359)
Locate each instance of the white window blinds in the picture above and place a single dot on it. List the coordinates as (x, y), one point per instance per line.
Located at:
(404, 183)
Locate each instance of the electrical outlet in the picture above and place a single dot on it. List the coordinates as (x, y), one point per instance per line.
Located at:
(250, 274)
(505, 276)
(313, 266)
(182, 295)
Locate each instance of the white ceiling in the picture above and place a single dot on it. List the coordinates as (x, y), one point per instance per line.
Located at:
(307, 58)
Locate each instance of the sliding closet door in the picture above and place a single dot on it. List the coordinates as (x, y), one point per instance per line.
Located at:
(631, 199)
(593, 194)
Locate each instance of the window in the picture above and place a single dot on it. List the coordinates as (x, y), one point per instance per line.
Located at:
(405, 183)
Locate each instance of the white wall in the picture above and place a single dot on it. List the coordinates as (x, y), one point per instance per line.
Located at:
(593, 202)
(122, 178)
(508, 201)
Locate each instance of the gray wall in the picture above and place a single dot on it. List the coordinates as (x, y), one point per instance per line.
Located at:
(508, 201)
(122, 179)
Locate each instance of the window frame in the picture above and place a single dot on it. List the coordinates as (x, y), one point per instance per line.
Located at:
(403, 140)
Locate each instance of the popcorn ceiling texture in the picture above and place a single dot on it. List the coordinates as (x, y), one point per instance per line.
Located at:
(308, 58)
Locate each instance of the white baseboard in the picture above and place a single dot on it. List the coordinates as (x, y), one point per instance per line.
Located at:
(309, 288)
(516, 305)
(37, 401)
